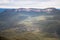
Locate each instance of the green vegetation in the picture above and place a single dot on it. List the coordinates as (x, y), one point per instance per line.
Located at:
(28, 36)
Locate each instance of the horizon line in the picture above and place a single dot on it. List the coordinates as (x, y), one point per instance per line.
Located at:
(29, 7)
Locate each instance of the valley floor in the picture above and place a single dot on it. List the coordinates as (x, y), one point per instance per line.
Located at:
(26, 36)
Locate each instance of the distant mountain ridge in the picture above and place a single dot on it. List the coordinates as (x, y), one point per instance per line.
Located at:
(31, 9)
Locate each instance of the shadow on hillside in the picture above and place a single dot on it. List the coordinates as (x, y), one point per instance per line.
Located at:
(3, 38)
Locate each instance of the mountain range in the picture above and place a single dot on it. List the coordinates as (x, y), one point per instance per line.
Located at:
(29, 19)
(30, 24)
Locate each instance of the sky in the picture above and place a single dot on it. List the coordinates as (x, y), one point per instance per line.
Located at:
(29, 3)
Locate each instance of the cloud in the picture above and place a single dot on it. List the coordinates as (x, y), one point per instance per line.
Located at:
(29, 3)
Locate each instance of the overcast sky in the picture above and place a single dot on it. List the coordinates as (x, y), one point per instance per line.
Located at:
(29, 3)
